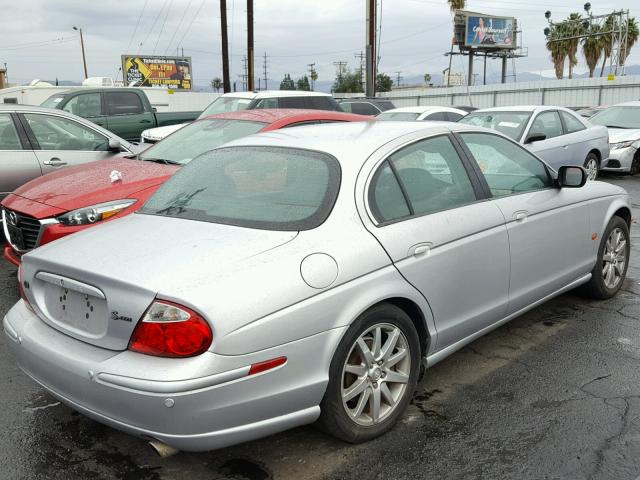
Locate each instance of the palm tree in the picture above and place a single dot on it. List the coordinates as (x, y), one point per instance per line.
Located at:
(217, 84)
(607, 41)
(558, 50)
(632, 38)
(592, 50)
(573, 27)
(456, 4)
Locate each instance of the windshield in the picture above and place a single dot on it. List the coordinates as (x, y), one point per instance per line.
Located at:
(511, 124)
(618, 117)
(398, 116)
(52, 101)
(199, 137)
(224, 105)
(257, 187)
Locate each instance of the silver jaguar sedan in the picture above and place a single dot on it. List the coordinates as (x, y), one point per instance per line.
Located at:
(308, 275)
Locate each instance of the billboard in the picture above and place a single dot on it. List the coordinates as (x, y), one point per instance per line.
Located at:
(487, 31)
(157, 71)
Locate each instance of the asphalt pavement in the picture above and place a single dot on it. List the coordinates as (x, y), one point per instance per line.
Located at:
(553, 394)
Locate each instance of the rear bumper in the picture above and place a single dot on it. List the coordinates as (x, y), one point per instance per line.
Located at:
(202, 411)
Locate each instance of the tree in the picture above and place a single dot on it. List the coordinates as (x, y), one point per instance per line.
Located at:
(287, 83)
(632, 38)
(427, 78)
(217, 84)
(303, 84)
(383, 83)
(347, 82)
(558, 49)
(573, 27)
(592, 50)
(314, 77)
(607, 40)
(456, 4)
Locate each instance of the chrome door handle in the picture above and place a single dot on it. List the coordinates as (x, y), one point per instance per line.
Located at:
(54, 162)
(520, 216)
(421, 250)
(145, 121)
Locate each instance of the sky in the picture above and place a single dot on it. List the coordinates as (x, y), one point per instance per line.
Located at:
(38, 40)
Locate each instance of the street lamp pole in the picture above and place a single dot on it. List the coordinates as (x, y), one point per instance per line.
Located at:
(84, 59)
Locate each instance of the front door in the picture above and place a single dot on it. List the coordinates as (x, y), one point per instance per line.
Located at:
(445, 241)
(127, 117)
(60, 142)
(548, 227)
(554, 149)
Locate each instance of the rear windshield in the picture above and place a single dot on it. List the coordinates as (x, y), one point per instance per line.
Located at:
(269, 188)
(199, 137)
(511, 124)
(52, 101)
(398, 116)
(224, 105)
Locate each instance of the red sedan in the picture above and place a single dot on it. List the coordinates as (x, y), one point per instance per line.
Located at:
(77, 198)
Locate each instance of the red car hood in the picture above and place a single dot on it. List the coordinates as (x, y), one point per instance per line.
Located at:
(87, 184)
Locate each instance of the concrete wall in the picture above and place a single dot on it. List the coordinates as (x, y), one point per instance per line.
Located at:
(566, 93)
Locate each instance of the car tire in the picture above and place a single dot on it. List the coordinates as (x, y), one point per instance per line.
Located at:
(613, 260)
(592, 165)
(378, 376)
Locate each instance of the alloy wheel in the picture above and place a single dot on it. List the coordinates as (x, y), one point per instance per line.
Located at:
(375, 374)
(592, 169)
(614, 258)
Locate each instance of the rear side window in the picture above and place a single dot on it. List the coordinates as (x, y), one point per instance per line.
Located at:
(364, 108)
(386, 198)
(266, 103)
(9, 139)
(123, 103)
(437, 117)
(571, 123)
(266, 188)
(507, 167)
(453, 117)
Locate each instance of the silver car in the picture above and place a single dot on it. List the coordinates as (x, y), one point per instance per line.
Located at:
(35, 141)
(557, 135)
(308, 274)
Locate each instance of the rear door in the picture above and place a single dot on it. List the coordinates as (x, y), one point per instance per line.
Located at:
(443, 238)
(126, 115)
(61, 142)
(18, 163)
(89, 106)
(576, 139)
(548, 227)
(554, 148)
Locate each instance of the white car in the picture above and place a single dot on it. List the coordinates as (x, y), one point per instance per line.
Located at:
(403, 114)
(557, 135)
(623, 122)
(232, 102)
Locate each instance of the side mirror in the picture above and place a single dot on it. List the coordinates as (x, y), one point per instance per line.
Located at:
(571, 177)
(535, 137)
(114, 145)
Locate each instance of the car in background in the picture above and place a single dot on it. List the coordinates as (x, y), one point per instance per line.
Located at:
(236, 101)
(623, 122)
(589, 112)
(123, 111)
(557, 135)
(308, 274)
(466, 108)
(66, 202)
(35, 141)
(366, 106)
(439, 114)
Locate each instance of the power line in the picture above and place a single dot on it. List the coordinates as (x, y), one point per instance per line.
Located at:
(41, 43)
(340, 66)
(175, 32)
(153, 25)
(135, 30)
(162, 26)
(191, 23)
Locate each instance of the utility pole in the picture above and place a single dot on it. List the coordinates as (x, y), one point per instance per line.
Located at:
(250, 60)
(226, 83)
(340, 66)
(84, 59)
(362, 58)
(371, 47)
(245, 73)
(398, 78)
(264, 70)
(312, 72)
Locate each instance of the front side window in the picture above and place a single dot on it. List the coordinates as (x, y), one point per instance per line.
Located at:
(86, 105)
(430, 175)
(511, 124)
(53, 101)
(199, 137)
(226, 104)
(266, 103)
(507, 167)
(437, 117)
(57, 133)
(9, 139)
(123, 103)
(547, 123)
(268, 188)
(571, 123)
(364, 108)
(398, 116)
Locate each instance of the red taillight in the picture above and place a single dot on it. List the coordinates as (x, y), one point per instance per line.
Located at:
(267, 365)
(171, 330)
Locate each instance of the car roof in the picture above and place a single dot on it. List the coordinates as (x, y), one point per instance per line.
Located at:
(275, 114)
(634, 103)
(352, 142)
(423, 109)
(275, 94)
(520, 108)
